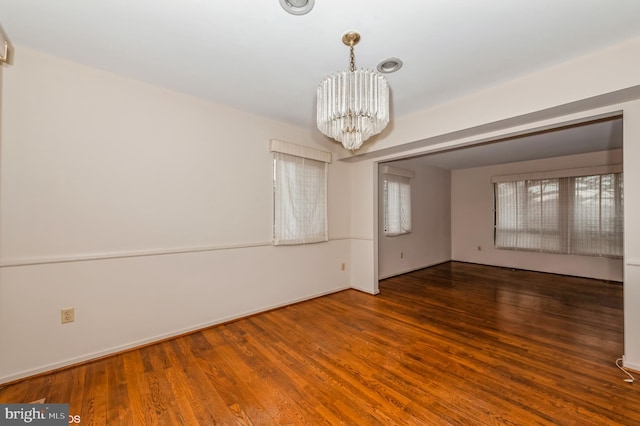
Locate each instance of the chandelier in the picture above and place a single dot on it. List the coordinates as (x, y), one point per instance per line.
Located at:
(353, 105)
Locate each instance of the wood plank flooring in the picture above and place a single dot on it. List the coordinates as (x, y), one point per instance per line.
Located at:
(453, 344)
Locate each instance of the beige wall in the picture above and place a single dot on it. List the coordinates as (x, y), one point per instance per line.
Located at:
(148, 211)
(429, 243)
(472, 220)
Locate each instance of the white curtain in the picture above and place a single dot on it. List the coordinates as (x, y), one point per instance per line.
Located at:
(300, 200)
(397, 205)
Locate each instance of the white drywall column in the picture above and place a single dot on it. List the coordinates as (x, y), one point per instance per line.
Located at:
(364, 271)
(632, 234)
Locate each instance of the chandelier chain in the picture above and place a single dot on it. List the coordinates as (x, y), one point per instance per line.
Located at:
(352, 63)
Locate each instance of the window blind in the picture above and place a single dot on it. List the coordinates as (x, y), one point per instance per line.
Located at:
(580, 215)
(299, 193)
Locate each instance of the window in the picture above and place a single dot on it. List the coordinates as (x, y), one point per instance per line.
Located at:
(397, 201)
(299, 194)
(580, 215)
(597, 221)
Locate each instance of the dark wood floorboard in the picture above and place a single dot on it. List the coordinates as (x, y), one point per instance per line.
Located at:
(455, 344)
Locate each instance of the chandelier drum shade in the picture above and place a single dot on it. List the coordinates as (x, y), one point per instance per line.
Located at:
(353, 105)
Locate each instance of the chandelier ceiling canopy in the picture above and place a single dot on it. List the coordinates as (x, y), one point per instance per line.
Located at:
(353, 105)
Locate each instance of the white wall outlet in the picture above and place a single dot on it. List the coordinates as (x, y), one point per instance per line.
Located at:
(67, 315)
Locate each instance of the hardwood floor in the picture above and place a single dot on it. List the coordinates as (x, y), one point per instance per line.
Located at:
(452, 344)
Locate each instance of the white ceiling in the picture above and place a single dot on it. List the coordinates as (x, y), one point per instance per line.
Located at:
(254, 56)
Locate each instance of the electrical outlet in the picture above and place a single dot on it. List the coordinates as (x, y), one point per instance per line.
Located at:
(401, 255)
(67, 315)
(343, 266)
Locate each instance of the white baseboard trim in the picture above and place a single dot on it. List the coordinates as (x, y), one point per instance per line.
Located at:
(382, 277)
(143, 342)
(366, 290)
(631, 365)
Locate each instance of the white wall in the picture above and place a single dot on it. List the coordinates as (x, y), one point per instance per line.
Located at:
(148, 211)
(631, 136)
(429, 243)
(363, 221)
(472, 220)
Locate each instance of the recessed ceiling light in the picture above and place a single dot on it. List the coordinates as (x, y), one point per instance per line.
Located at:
(389, 65)
(297, 7)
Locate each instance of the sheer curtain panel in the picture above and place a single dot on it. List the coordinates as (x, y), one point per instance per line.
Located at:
(397, 201)
(299, 194)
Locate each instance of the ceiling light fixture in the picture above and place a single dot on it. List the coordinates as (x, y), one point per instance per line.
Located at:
(297, 7)
(389, 65)
(353, 105)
